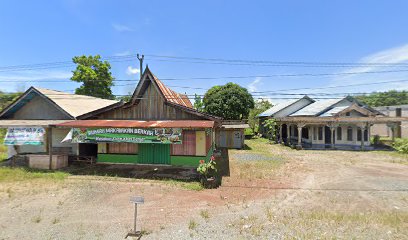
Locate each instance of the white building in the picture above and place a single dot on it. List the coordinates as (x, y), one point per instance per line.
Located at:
(333, 123)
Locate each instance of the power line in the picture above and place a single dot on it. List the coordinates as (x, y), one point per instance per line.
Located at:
(131, 57)
(279, 63)
(338, 86)
(232, 77)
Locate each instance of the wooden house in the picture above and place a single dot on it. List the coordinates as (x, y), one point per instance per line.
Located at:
(153, 107)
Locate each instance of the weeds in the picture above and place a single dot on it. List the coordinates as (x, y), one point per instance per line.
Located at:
(22, 174)
(55, 221)
(192, 225)
(36, 219)
(205, 214)
(194, 186)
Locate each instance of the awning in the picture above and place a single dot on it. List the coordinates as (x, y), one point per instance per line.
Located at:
(29, 123)
(137, 124)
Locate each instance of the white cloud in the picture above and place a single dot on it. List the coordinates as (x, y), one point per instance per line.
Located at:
(121, 54)
(387, 56)
(253, 86)
(122, 28)
(35, 75)
(131, 71)
(13, 80)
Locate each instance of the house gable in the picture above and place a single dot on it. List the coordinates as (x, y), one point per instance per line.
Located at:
(32, 105)
(355, 111)
(152, 100)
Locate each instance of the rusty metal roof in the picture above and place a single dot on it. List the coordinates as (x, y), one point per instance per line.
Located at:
(172, 96)
(138, 124)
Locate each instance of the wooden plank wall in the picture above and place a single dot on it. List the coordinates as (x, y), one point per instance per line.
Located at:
(188, 147)
(150, 107)
(124, 148)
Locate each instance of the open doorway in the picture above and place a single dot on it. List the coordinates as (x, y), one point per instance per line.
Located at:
(327, 135)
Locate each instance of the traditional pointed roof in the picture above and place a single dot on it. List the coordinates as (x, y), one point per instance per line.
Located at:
(72, 105)
(168, 94)
(170, 97)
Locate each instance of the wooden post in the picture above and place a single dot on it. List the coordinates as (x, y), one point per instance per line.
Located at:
(49, 139)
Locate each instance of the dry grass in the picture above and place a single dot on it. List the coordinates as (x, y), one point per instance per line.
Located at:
(23, 174)
(265, 165)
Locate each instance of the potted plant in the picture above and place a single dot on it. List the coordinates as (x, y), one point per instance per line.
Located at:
(209, 176)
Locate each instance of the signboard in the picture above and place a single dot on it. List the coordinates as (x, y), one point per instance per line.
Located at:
(25, 136)
(127, 135)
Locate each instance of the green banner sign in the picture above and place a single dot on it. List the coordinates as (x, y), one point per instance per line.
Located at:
(128, 135)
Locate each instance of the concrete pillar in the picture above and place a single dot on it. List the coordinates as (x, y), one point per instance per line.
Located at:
(50, 146)
(299, 143)
(280, 134)
(288, 130)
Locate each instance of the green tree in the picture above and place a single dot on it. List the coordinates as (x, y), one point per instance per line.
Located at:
(7, 98)
(270, 127)
(198, 103)
(125, 98)
(260, 107)
(230, 101)
(389, 98)
(94, 75)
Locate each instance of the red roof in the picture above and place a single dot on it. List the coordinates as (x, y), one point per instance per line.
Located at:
(138, 124)
(172, 96)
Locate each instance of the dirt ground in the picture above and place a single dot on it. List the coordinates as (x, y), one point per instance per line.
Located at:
(273, 192)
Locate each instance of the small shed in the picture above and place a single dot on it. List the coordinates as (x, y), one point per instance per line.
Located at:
(231, 134)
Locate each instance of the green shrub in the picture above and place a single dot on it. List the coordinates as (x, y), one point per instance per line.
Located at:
(375, 140)
(401, 145)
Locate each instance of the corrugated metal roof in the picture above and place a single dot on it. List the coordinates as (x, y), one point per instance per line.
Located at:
(172, 96)
(29, 123)
(138, 124)
(277, 108)
(333, 111)
(316, 107)
(73, 104)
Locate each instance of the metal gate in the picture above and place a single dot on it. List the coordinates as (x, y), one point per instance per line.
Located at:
(150, 153)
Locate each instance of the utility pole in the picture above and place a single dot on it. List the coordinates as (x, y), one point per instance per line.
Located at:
(141, 64)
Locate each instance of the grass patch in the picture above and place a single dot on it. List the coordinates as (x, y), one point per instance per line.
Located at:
(192, 225)
(205, 214)
(194, 186)
(258, 161)
(23, 174)
(392, 219)
(3, 148)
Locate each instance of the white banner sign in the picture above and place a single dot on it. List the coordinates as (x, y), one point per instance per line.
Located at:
(25, 136)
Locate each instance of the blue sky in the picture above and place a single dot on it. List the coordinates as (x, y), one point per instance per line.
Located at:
(312, 31)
